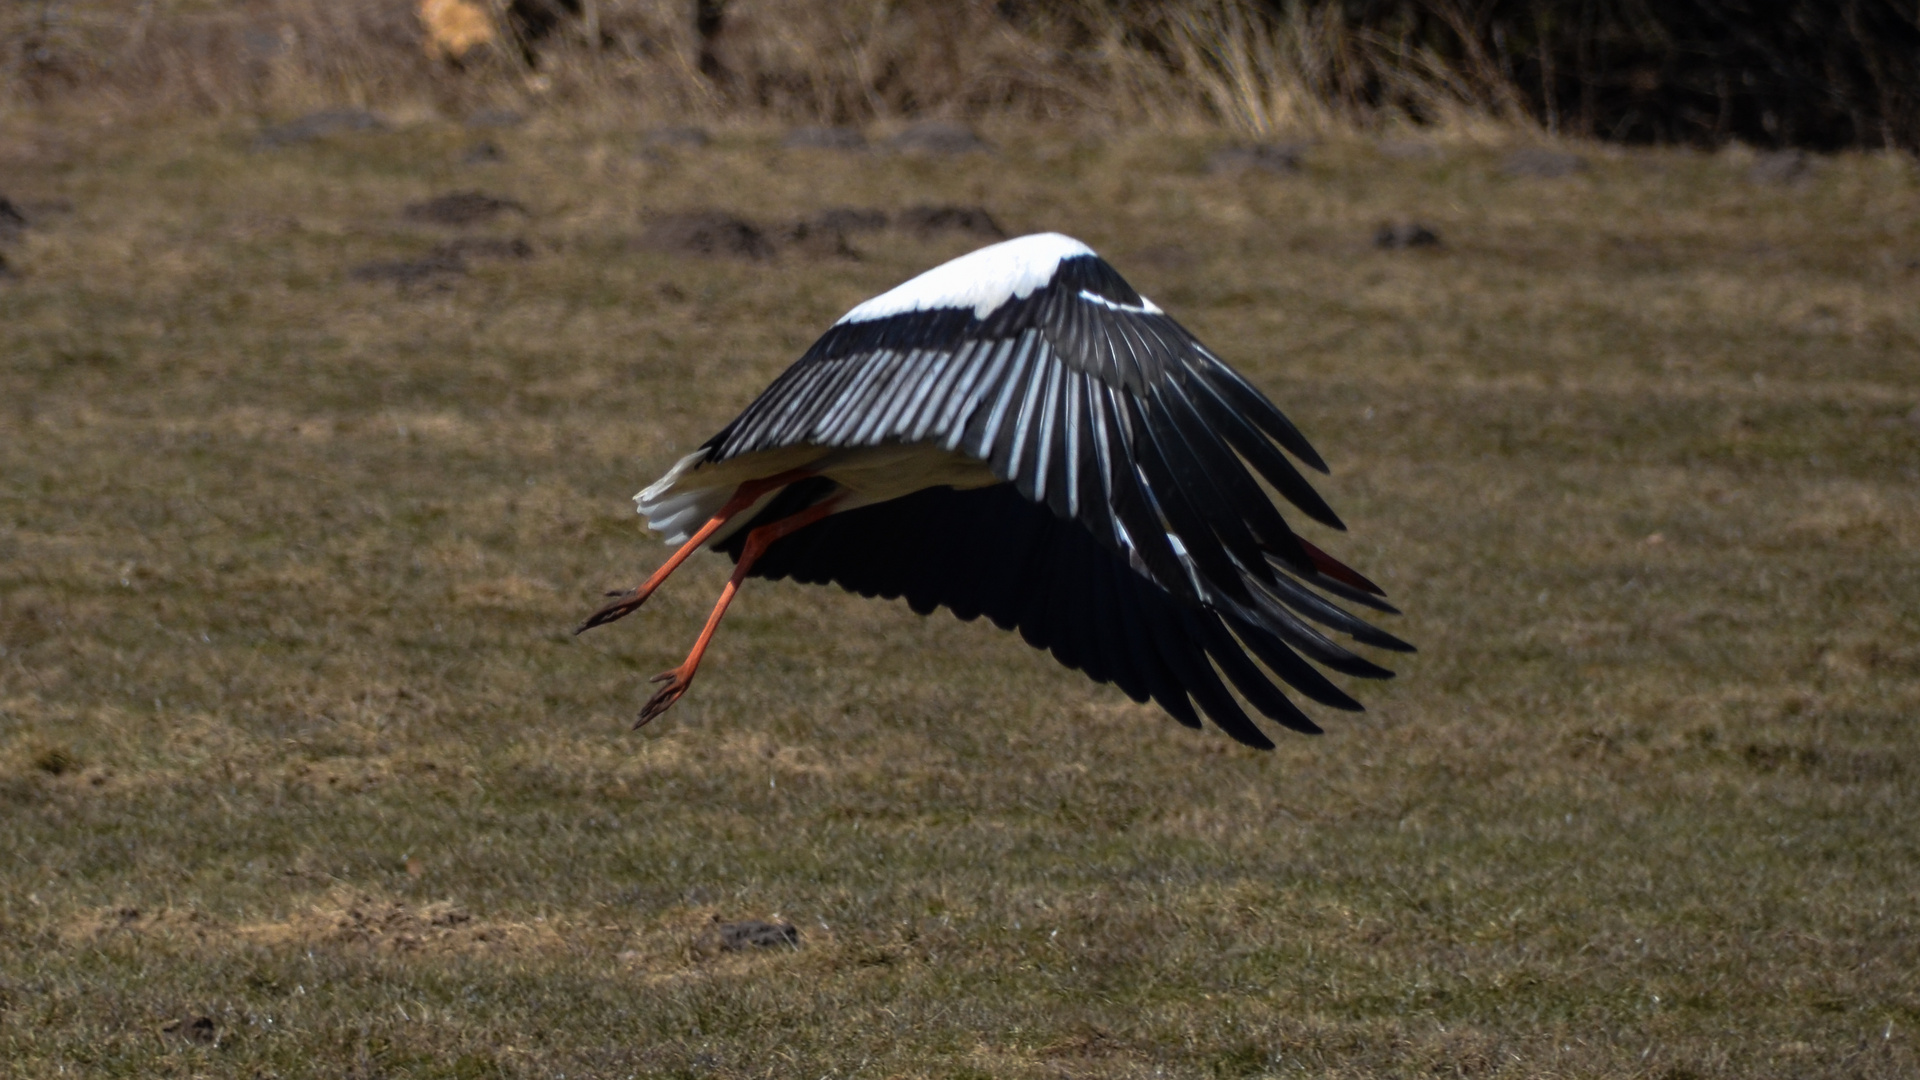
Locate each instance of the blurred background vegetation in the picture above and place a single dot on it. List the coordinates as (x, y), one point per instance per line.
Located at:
(1811, 74)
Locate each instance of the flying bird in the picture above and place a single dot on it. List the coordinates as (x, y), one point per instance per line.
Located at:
(1019, 434)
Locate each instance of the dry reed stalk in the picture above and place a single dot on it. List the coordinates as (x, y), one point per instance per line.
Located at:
(1255, 73)
(1197, 63)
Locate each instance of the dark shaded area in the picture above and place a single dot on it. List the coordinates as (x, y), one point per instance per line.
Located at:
(719, 233)
(927, 220)
(818, 238)
(706, 232)
(1401, 235)
(435, 269)
(12, 222)
(1817, 74)
(708, 18)
(444, 263)
(460, 208)
(485, 247)
(755, 934)
(851, 219)
(531, 21)
(200, 1029)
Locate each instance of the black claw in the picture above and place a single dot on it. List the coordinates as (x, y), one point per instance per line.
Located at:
(611, 612)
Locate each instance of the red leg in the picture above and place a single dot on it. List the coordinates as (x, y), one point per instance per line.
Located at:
(678, 679)
(626, 603)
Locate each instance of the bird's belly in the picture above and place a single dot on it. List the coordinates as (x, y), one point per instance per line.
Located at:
(878, 473)
(692, 492)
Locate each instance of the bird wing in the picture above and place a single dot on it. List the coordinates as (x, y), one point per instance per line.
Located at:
(991, 551)
(1038, 358)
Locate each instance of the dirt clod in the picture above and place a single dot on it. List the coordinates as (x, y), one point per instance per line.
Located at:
(756, 934)
(200, 1029)
(484, 247)
(818, 240)
(706, 232)
(436, 268)
(12, 221)
(851, 219)
(927, 220)
(56, 761)
(460, 208)
(1401, 235)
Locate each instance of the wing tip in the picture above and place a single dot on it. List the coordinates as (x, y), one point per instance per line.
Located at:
(1330, 567)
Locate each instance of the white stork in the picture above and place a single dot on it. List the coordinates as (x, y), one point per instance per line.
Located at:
(1019, 434)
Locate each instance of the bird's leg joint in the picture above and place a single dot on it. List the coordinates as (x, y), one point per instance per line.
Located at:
(678, 679)
(744, 496)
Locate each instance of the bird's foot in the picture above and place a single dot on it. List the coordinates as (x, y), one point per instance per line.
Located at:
(622, 605)
(677, 681)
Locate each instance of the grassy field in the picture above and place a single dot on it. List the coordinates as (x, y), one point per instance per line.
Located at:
(302, 774)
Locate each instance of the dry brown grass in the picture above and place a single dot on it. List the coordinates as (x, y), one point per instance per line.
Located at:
(293, 736)
(1195, 64)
